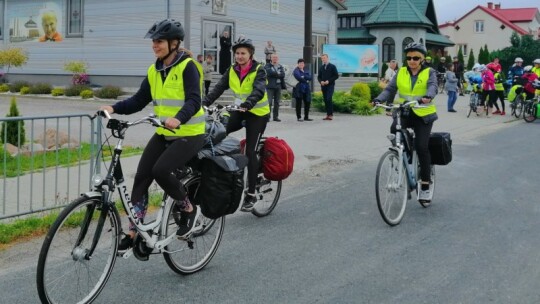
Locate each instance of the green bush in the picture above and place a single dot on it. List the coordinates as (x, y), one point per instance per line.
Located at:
(361, 90)
(24, 90)
(13, 131)
(17, 85)
(109, 92)
(85, 94)
(345, 103)
(375, 89)
(57, 92)
(4, 88)
(75, 90)
(41, 88)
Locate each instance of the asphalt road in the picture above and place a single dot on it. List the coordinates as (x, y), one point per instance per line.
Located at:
(326, 242)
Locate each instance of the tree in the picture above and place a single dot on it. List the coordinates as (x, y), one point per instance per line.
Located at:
(515, 39)
(460, 55)
(13, 57)
(13, 131)
(487, 58)
(471, 62)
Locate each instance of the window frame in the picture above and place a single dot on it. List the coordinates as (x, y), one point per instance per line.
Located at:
(388, 49)
(479, 26)
(2, 23)
(69, 13)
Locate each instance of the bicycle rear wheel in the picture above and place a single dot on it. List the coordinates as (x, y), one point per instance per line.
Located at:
(191, 255)
(267, 193)
(529, 111)
(66, 272)
(390, 189)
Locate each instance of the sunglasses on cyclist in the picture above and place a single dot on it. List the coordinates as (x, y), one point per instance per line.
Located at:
(414, 58)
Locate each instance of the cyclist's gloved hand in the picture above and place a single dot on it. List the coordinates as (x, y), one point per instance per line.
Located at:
(205, 102)
(375, 101)
(246, 105)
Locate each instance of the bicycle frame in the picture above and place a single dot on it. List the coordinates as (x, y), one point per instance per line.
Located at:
(404, 156)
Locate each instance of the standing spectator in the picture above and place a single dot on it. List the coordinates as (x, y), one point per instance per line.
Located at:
(200, 59)
(451, 86)
(302, 91)
(224, 52)
(488, 88)
(499, 88)
(458, 70)
(275, 75)
(428, 62)
(327, 77)
(208, 69)
(391, 71)
(441, 68)
(269, 49)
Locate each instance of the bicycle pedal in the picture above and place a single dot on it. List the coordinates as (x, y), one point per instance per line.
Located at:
(125, 255)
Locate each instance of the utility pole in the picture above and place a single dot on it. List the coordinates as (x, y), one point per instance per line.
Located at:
(308, 48)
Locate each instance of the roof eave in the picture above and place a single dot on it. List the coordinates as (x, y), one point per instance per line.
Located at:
(338, 4)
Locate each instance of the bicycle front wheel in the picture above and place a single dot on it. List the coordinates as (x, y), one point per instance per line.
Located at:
(519, 106)
(391, 189)
(191, 255)
(267, 193)
(69, 271)
(529, 112)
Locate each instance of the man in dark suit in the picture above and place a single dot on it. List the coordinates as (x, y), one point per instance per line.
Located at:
(327, 77)
(275, 74)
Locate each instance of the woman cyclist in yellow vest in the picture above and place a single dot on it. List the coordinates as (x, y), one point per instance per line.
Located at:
(416, 81)
(174, 85)
(247, 80)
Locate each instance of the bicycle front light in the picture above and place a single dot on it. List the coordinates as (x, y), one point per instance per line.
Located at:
(97, 179)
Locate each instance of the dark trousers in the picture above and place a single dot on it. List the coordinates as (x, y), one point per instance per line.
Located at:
(500, 96)
(307, 104)
(159, 159)
(422, 131)
(328, 91)
(207, 86)
(274, 98)
(492, 98)
(255, 126)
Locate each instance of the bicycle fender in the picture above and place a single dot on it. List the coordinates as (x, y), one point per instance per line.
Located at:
(92, 194)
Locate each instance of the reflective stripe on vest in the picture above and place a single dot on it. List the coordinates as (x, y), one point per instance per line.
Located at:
(407, 93)
(169, 98)
(498, 82)
(242, 90)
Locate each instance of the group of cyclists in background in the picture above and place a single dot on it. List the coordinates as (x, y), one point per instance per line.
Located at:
(490, 82)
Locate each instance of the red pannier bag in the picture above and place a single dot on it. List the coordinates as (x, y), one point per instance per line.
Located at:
(277, 158)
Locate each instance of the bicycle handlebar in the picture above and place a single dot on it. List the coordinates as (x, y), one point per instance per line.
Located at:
(120, 125)
(409, 104)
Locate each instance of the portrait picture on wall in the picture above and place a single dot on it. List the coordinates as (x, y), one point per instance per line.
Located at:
(219, 7)
(42, 22)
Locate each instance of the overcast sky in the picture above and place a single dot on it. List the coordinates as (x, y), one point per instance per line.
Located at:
(448, 10)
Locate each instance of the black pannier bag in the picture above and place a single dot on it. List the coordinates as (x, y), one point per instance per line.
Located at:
(440, 148)
(222, 184)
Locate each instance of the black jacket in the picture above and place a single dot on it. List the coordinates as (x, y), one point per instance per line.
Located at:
(259, 85)
(329, 73)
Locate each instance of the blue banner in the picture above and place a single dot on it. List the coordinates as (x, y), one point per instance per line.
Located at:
(353, 58)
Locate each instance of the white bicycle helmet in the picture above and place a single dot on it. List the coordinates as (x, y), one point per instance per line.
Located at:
(476, 66)
(482, 68)
(518, 59)
(527, 68)
(536, 61)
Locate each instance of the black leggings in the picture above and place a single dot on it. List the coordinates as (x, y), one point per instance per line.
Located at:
(159, 159)
(255, 126)
(492, 98)
(422, 131)
(500, 96)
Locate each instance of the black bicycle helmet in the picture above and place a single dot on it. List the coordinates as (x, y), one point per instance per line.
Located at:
(166, 29)
(415, 46)
(243, 42)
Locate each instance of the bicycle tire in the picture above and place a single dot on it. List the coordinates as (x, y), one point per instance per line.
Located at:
(391, 208)
(64, 273)
(267, 193)
(189, 256)
(529, 111)
(519, 106)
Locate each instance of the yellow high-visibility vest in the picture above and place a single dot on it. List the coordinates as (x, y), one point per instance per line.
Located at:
(408, 93)
(169, 98)
(242, 90)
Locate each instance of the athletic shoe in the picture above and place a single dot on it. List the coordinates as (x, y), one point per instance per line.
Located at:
(496, 112)
(125, 243)
(503, 113)
(187, 222)
(425, 195)
(249, 203)
(308, 119)
(300, 119)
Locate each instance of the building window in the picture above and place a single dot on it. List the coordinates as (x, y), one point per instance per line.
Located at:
(388, 49)
(75, 18)
(464, 49)
(318, 41)
(479, 26)
(2, 19)
(406, 41)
